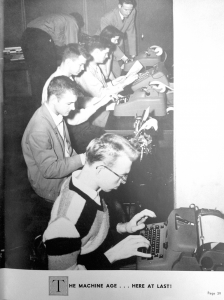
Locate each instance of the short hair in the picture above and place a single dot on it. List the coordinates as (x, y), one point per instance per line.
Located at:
(74, 50)
(109, 32)
(133, 2)
(60, 85)
(108, 148)
(97, 42)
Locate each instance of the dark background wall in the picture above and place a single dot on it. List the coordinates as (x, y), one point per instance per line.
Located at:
(154, 18)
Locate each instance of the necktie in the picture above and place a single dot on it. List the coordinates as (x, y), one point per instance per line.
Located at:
(61, 128)
(100, 76)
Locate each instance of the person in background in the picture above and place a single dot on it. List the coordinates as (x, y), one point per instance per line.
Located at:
(123, 18)
(42, 43)
(74, 59)
(113, 35)
(78, 234)
(92, 80)
(80, 22)
(46, 146)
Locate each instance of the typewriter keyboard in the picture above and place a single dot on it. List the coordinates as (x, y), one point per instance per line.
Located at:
(155, 234)
(142, 76)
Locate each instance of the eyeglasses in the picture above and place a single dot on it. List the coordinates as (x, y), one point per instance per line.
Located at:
(123, 178)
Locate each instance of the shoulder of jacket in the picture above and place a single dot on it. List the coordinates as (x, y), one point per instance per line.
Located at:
(134, 11)
(111, 13)
(40, 121)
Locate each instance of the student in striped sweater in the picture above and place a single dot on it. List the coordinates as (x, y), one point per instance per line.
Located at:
(78, 233)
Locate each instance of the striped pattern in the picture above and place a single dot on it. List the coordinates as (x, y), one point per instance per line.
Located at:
(77, 223)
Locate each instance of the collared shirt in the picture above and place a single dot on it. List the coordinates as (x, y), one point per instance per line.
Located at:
(59, 122)
(94, 195)
(92, 80)
(122, 17)
(96, 71)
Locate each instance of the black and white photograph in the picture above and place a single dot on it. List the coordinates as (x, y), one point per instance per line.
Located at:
(104, 170)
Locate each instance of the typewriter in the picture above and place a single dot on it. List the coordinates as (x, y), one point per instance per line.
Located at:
(13, 53)
(147, 58)
(136, 103)
(158, 72)
(190, 239)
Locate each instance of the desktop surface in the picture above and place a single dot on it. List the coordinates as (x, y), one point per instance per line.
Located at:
(120, 125)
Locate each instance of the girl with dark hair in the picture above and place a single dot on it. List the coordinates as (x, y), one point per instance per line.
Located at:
(112, 35)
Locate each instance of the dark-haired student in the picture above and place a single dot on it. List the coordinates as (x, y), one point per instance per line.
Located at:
(113, 36)
(123, 18)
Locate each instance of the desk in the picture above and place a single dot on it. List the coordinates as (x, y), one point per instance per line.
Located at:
(16, 79)
(120, 125)
(124, 126)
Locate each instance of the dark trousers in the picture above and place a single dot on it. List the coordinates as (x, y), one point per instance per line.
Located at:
(82, 134)
(41, 58)
(39, 215)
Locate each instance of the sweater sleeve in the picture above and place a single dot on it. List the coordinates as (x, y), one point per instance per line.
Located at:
(63, 246)
(96, 260)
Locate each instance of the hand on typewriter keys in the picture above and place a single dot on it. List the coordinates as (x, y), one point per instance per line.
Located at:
(137, 222)
(128, 247)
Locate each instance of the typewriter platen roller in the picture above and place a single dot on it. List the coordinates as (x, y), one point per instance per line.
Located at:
(210, 251)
